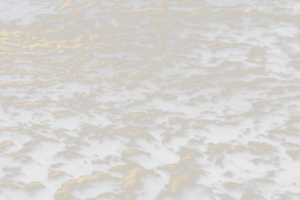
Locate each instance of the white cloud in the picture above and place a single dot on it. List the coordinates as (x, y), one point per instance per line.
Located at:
(140, 99)
(142, 182)
(57, 178)
(86, 186)
(185, 186)
(36, 190)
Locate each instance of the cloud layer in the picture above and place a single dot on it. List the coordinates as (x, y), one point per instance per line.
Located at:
(144, 100)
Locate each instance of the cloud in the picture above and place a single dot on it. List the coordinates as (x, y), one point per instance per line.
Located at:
(9, 190)
(86, 186)
(140, 100)
(251, 196)
(141, 182)
(25, 12)
(36, 190)
(185, 186)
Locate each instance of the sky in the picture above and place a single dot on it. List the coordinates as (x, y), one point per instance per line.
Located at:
(146, 100)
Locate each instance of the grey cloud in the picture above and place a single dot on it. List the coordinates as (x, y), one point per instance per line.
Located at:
(251, 196)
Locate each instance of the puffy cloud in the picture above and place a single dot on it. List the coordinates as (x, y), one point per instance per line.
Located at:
(9, 190)
(141, 182)
(86, 186)
(185, 186)
(140, 99)
(57, 178)
(36, 190)
(6, 146)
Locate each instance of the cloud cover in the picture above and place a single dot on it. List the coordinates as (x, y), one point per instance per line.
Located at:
(126, 100)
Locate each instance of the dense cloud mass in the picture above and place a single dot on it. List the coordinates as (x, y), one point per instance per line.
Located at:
(149, 100)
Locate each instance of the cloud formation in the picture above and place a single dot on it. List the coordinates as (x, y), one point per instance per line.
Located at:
(149, 100)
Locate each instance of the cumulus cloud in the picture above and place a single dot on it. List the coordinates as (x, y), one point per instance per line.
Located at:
(185, 186)
(86, 186)
(141, 100)
(36, 190)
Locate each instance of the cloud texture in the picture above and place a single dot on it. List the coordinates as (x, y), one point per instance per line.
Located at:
(149, 100)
